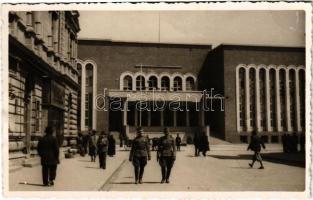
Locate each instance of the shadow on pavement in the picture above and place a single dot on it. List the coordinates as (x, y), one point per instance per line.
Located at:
(133, 183)
(84, 160)
(33, 184)
(280, 158)
(93, 167)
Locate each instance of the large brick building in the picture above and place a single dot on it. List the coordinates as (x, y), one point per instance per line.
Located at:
(43, 77)
(248, 88)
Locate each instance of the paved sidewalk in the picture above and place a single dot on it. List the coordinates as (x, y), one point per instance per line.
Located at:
(76, 174)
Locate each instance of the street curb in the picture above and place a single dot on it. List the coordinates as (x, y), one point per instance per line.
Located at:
(105, 186)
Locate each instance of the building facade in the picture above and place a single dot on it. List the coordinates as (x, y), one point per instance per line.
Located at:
(263, 88)
(228, 91)
(43, 78)
(135, 84)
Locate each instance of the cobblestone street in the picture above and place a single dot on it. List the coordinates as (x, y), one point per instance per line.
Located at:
(225, 168)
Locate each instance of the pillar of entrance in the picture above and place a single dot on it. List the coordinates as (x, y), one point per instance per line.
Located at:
(187, 118)
(125, 113)
(175, 118)
(161, 118)
(298, 122)
(287, 97)
(278, 112)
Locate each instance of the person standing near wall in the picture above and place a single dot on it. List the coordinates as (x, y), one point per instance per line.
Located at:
(111, 148)
(48, 150)
(178, 142)
(92, 145)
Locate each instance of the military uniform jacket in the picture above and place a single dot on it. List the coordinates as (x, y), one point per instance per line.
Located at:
(140, 148)
(166, 147)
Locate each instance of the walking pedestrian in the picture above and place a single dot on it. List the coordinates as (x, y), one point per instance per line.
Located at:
(203, 144)
(166, 155)
(178, 142)
(196, 143)
(102, 146)
(80, 144)
(255, 145)
(85, 142)
(92, 145)
(48, 150)
(139, 154)
(111, 148)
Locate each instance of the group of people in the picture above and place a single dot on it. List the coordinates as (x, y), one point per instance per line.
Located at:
(201, 143)
(140, 154)
(290, 143)
(88, 143)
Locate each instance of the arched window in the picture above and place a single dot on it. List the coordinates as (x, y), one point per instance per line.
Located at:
(140, 83)
(242, 101)
(190, 83)
(178, 83)
(89, 95)
(153, 83)
(272, 84)
(292, 96)
(165, 83)
(282, 94)
(127, 83)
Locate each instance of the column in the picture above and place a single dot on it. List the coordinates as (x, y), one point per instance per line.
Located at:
(257, 100)
(298, 117)
(287, 97)
(161, 118)
(267, 103)
(187, 118)
(175, 118)
(149, 118)
(125, 113)
(136, 116)
(278, 113)
(247, 99)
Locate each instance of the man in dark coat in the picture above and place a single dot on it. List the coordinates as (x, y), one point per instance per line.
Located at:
(196, 142)
(111, 149)
(166, 155)
(255, 145)
(48, 150)
(85, 142)
(178, 142)
(203, 143)
(102, 146)
(139, 154)
(80, 144)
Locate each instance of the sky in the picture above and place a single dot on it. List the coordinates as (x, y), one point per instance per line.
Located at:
(270, 28)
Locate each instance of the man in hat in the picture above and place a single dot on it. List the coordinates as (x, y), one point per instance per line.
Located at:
(166, 155)
(48, 150)
(139, 154)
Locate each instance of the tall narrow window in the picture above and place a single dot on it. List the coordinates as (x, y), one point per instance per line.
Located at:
(272, 83)
(292, 96)
(140, 83)
(89, 96)
(262, 84)
(127, 83)
(190, 84)
(242, 99)
(153, 83)
(178, 84)
(165, 83)
(252, 74)
(282, 94)
(302, 97)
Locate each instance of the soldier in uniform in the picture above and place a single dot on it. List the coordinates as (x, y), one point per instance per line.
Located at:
(139, 154)
(166, 155)
(102, 146)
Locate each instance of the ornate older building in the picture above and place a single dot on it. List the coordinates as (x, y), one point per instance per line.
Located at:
(43, 77)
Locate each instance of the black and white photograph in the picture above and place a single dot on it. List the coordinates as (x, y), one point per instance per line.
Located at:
(156, 98)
